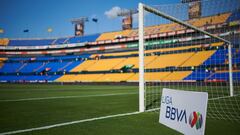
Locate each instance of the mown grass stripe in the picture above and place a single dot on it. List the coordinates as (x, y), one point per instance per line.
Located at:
(64, 97)
(68, 123)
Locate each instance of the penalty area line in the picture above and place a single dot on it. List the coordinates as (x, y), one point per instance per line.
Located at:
(68, 123)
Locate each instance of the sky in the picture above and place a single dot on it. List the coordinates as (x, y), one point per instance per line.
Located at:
(39, 15)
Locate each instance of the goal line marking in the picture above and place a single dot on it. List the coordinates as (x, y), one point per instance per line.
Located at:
(68, 123)
(223, 97)
(65, 97)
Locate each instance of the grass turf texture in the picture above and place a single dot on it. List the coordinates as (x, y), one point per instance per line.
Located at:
(16, 115)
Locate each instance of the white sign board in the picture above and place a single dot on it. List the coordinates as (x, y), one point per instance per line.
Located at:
(184, 111)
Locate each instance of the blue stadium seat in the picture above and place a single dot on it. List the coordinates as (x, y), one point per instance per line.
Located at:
(42, 42)
(30, 42)
(10, 67)
(30, 67)
(15, 78)
(61, 41)
(234, 16)
(80, 39)
(225, 76)
(218, 57)
(198, 76)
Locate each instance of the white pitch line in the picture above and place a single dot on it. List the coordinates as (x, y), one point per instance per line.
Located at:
(67, 123)
(52, 89)
(222, 97)
(64, 97)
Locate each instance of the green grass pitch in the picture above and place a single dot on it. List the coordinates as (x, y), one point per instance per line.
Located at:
(33, 106)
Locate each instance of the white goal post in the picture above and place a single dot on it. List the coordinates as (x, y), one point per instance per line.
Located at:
(143, 70)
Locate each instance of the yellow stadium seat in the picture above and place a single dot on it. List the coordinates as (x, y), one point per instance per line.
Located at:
(87, 77)
(104, 64)
(210, 20)
(113, 35)
(217, 44)
(3, 59)
(120, 53)
(133, 78)
(161, 76)
(177, 76)
(66, 78)
(130, 77)
(1, 64)
(128, 61)
(115, 77)
(156, 76)
(168, 60)
(198, 58)
(134, 61)
(84, 65)
(4, 41)
(79, 78)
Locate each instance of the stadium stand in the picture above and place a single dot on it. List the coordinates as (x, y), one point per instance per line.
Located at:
(183, 62)
(69, 64)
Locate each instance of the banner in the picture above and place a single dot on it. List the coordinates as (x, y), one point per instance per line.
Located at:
(184, 111)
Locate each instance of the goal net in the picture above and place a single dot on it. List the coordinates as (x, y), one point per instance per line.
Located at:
(191, 46)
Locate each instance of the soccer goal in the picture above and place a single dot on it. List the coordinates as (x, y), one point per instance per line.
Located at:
(191, 46)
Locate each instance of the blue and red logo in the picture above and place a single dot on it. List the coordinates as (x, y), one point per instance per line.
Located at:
(196, 118)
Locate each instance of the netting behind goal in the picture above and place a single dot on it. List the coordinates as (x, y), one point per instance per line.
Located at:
(202, 56)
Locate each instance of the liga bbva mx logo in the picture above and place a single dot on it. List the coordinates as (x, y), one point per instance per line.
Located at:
(196, 118)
